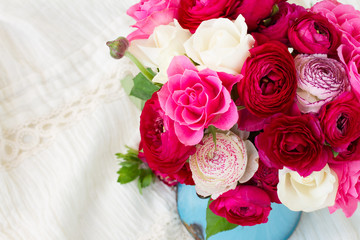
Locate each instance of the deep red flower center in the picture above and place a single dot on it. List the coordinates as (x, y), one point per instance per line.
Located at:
(342, 123)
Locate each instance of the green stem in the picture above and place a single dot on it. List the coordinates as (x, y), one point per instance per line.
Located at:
(141, 67)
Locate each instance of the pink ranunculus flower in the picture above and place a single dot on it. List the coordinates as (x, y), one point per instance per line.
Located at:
(348, 195)
(320, 80)
(313, 33)
(196, 99)
(151, 13)
(245, 205)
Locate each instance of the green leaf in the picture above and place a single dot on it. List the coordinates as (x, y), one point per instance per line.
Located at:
(127, 84)
(215, 223)
(146, 180)
(335, 153)
(128, 174)
(212, 130)
(143, 87)
(139, 186)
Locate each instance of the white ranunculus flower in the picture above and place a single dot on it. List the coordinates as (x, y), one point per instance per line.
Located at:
(220, 44)
(159, 49)
(218, 170)
(316, 191)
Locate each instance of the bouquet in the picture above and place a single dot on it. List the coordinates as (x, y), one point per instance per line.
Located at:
(251, 105)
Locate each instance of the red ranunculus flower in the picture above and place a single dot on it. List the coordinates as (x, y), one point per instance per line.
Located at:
(162, 149)
(296, 142)
(340, 121)
(267, 179)
(192, 13)
(254, 13)
(313, 33)
(245, 205)
(269, 83)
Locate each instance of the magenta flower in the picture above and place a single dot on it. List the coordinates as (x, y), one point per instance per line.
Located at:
(348, 195)
(245, 205)
(196, 99)
(162, 150)
(280, 23)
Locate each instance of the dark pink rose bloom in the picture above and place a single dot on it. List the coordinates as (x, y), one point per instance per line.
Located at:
(269, 83)
(313, 33)
(340, 121)
(192, 13)
(162, 149)
(196, 99)
(267, 179)
(280, 23)
(296, 142)
(149, 14)
(254, 13)
(183, 176)
(352, 153)
(342, 16)
(348, 194)
(245, 205)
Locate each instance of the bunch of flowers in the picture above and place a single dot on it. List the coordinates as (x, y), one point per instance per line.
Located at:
(251, 105)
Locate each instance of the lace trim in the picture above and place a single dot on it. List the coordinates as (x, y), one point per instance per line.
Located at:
(167, 226)
(21, 142)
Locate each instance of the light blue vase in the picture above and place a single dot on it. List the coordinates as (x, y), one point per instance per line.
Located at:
(192, 210)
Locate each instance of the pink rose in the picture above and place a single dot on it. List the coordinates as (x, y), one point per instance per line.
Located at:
(313, 33)
(280, 23)
(296, 142)
(348, 195)
(192, 13)
(149, 14)
(196, 99)
(245, 206)
(349, 54)
(340, 121)
(162, 150)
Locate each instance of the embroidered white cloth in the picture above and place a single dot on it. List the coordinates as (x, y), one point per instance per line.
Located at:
(63, 116)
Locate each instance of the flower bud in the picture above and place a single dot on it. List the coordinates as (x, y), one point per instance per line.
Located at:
(118, 47)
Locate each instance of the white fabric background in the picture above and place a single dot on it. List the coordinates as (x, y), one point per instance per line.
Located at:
(63, 115)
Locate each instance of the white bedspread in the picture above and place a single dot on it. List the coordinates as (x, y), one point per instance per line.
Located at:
(63, 116)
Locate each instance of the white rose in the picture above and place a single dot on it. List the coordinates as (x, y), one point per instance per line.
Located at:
(221, 44)
(158, 50)
(216, 171)
(316, 191)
